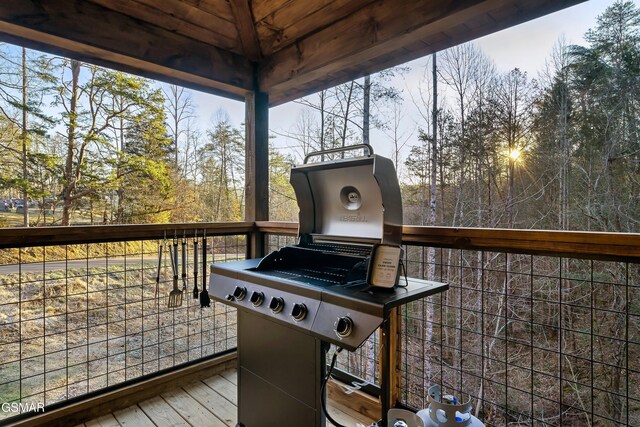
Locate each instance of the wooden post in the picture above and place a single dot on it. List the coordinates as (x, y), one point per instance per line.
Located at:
(392, 352)
(256, 167)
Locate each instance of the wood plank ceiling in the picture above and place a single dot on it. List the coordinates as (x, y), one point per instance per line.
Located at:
(287, 48)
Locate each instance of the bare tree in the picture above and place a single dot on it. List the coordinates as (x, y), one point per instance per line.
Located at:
(180, 111)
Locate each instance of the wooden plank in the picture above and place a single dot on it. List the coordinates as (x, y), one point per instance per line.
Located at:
(107, 420)
(191, 410)
(231, 375)
(346, 417)
(575, 244)
(214, 7)
(377, 29)
(46, 236)
(90, 32)
(161, 413)
(246, 29)
(182, 22)
(357, 401)
(218, 405)
(106, 402)
(276, 227)
(224, 387)
(133, 416)
(262, 8)
(195, 16)
(297, 19)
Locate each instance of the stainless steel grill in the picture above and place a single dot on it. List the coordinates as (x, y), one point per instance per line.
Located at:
(296, 300)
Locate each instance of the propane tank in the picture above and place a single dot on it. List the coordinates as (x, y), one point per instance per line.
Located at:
(445, 411)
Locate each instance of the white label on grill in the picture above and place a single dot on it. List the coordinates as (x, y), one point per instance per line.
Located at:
(385, 266)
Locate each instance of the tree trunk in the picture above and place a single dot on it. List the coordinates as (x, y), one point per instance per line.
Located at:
(366, 109)
(69, 177)
(431, 254)
(24, 136)
(343, 133)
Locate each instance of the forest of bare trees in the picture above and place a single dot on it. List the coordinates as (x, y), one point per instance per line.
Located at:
(500, 149)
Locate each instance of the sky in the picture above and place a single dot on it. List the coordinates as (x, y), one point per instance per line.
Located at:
(525, 46)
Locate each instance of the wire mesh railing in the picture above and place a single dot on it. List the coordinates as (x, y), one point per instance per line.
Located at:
(537, 328)
(529, 339)
(77, 318)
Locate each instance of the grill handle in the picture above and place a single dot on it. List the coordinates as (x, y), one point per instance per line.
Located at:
(340, 149)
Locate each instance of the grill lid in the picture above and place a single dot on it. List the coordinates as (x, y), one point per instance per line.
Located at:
(352, 200)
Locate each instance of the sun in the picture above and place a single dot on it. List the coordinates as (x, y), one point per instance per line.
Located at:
(515, 154)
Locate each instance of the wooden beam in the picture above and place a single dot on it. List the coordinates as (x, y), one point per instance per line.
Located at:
(360, 44)
(257, 165)
(246, 29)
(571, 244)
(92, 33)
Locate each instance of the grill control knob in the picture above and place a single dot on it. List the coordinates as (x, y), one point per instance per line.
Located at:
(257, 298)
(276, 305)
(299, 312)
(239, 293)
(343, 327)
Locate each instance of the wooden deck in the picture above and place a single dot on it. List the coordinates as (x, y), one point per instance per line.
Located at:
(211, 402)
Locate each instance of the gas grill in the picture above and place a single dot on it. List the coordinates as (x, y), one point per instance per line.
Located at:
(336, 285)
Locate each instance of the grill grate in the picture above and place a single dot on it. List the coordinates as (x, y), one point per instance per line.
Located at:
(339, 249)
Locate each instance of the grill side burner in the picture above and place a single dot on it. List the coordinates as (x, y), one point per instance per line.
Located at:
(299, 299)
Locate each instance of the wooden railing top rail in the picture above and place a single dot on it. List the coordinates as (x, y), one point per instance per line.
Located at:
(49, 236)
(570, 244)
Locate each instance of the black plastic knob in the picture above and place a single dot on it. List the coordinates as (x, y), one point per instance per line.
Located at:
(257, 298)
(276, 305)
(299, 312)
(343, 327)
(229, 297)
(239, 293)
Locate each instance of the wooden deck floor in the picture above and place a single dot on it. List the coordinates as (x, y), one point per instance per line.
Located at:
(211, 402)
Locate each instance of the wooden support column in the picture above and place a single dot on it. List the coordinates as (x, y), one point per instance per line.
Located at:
(390, 372)
(256, 166)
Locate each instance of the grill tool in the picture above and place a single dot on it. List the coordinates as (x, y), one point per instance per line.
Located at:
(184, 265)
(196, 255)
(205, 300)
(175, 296)
(159, 268)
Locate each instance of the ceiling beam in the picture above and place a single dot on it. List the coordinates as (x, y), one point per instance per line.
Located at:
(360, 44)
(89, 32)
(246, 29)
